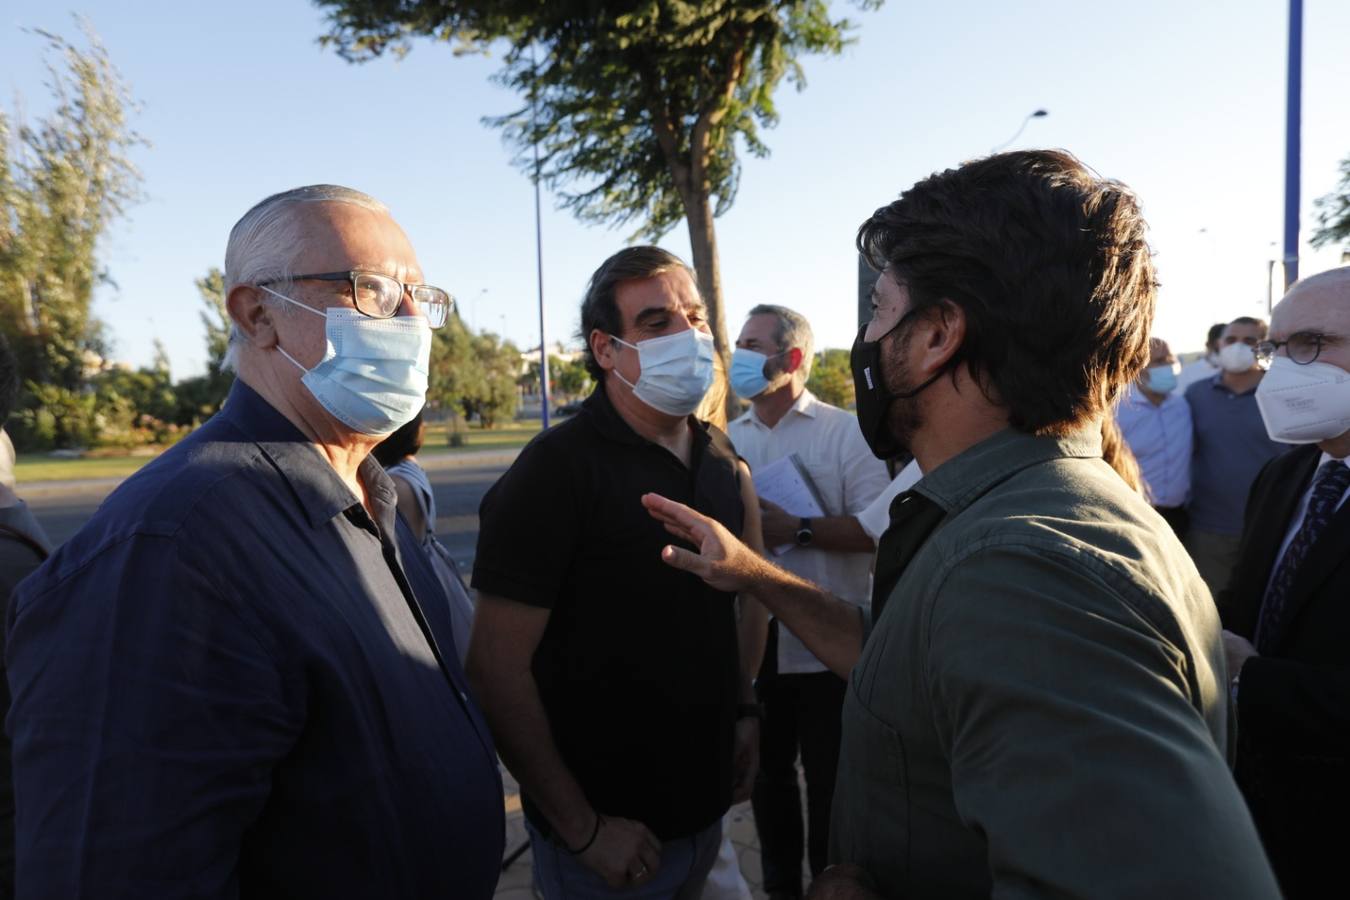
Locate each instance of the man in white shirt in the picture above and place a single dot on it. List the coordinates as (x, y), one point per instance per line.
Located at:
(801, 697)
(1284, 607)
(1156, 422)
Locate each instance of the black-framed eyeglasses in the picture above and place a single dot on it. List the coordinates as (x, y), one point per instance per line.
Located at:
(379, 296)
(1302, 347)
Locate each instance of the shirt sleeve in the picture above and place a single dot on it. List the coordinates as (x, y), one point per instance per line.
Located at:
(146, 722)
(1075, 745)
(865, 476)
(529, 528)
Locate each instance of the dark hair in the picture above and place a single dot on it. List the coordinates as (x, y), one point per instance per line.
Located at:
(1215, 332)
(1050, 266)
(401, 444)
(9, 381)
(598, 309)
(1259, 324)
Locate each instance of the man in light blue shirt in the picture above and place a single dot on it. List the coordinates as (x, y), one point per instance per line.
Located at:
(1156, 423)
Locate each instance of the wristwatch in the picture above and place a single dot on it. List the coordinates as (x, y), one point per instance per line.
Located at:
(804, 533)
(749, 711)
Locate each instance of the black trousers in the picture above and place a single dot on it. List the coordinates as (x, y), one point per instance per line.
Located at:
(801, 713)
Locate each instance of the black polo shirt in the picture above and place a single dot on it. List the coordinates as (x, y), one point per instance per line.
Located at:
(637, 668)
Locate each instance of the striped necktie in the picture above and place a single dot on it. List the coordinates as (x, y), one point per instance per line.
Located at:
(1328, 486)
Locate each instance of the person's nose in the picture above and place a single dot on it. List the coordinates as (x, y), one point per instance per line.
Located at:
(407, 305)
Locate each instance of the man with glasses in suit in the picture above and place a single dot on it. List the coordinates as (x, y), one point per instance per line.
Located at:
(1285, 607)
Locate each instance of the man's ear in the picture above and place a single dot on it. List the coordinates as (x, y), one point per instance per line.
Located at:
(603, 349)
(249, 312)
(944, 331)
(793, 360)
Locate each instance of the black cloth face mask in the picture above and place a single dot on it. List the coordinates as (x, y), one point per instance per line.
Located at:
(874, 399)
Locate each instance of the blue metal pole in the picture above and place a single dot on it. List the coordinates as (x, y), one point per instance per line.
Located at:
(1292, 141)
(539, 259)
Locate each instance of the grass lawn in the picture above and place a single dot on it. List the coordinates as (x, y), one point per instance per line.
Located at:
(34, 467)
(504, 437)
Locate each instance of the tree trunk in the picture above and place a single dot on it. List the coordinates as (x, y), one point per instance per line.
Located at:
(703, 244)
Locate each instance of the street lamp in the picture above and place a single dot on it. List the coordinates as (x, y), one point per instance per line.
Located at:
(1038, 114)
(476, 298)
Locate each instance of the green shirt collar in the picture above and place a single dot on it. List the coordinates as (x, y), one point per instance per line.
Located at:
(964, 478)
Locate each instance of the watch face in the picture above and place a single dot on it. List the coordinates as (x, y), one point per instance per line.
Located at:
(804, 536)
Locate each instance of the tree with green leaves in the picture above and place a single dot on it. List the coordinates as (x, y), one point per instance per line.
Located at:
(63, 181)
(636, 107)
(473, 374)
(201, 396)
(832, 378)
(1333, 212)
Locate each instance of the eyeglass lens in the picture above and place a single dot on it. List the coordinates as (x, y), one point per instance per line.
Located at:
(380, 296)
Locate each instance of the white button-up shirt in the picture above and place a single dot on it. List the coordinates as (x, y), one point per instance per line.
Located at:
(1160, 438)
(831, 447)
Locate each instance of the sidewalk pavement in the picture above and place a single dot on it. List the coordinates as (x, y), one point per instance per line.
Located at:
(516, 881)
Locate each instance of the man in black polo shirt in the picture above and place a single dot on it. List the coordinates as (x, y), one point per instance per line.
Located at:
(611, 681)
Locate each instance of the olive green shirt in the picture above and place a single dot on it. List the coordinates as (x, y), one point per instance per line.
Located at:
(1041, 707)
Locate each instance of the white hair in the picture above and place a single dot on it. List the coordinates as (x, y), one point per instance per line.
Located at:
(267, 239)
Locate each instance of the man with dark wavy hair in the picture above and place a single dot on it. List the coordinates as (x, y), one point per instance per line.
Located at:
(1036, 704)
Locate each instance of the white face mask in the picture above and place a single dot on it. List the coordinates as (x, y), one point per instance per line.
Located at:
(1237, 358)
(1304, 404)
(677, 370)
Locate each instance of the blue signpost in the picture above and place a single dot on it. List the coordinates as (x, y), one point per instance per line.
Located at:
(1292, 141)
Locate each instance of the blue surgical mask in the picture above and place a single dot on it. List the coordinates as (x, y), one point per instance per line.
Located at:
(373, 376)
(1162, 379)
(677, 370)
(747, 372)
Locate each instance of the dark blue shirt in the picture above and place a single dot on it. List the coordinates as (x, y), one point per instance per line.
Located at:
(1231, 446)
(233, 683)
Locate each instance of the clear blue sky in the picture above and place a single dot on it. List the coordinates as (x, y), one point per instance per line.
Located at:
(1183, 101)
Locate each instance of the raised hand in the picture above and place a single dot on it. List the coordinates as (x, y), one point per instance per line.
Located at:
(722, 560)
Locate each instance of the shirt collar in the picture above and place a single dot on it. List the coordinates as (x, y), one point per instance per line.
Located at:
(962, 480)
(322, 494)
(804, 405)
(1216, 382)
(600, 412)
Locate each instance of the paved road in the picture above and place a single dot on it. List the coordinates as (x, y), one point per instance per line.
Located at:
(459, 484)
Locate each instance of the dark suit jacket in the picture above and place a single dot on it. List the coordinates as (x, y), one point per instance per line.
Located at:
(1293, 706)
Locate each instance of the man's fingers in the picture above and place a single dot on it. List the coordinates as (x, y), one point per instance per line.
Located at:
(680, 558)
(670, 511)
(681, 533)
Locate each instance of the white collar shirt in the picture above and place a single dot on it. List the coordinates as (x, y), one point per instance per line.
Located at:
(1160, 437)
(831, 447)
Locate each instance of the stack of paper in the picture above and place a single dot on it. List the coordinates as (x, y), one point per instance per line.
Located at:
(786, 483)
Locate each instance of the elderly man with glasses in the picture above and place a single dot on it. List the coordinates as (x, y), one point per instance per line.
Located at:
(238, 679)
(1285, 606)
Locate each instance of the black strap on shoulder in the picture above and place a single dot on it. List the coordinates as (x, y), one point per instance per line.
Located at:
(8, 531)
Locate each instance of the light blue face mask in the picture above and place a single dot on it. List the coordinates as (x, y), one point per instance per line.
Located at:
(1162, 379)
(677, 370)
(747, 372)
(373, 377)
